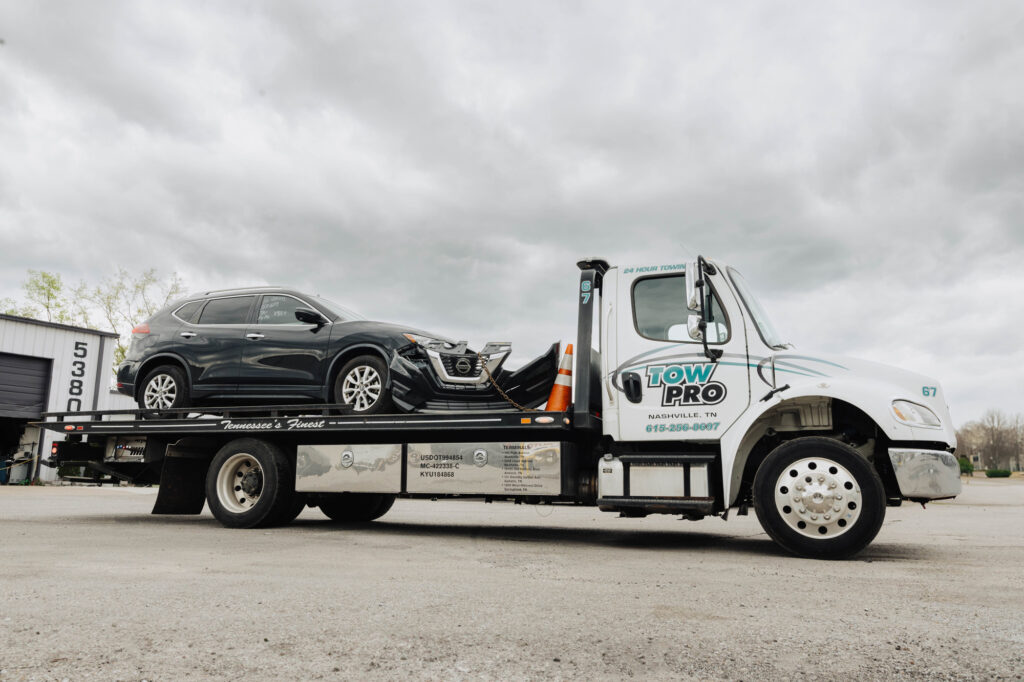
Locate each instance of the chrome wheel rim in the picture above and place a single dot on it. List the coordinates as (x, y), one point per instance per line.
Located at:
(818, 498)
(240, 483)
(361, 387)
(160, 392)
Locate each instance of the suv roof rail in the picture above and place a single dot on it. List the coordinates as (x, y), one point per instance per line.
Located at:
(239, 290)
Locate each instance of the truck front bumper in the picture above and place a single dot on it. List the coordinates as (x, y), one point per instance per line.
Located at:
(925, 474)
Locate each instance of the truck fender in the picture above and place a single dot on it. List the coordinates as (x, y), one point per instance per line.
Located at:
(858, 392)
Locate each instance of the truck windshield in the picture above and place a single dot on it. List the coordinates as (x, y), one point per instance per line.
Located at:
(764, 325)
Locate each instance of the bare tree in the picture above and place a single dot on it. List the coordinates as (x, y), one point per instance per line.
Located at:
(124, 300)
(120, 301)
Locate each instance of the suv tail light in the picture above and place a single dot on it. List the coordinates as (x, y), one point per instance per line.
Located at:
(141, 329)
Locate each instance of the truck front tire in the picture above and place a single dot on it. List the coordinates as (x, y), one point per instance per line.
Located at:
(355, 507)
(250, 485)
(819, 498)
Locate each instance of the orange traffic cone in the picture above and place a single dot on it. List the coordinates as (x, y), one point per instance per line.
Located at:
(561, 392)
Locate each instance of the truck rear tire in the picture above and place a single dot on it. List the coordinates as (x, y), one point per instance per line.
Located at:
(250, 485)
(819, 498)
(355, 507)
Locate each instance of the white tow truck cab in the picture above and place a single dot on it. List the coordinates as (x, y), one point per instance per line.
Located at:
(687, 401)
(693, 373)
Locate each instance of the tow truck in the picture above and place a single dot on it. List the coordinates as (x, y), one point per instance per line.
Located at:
(686, 402)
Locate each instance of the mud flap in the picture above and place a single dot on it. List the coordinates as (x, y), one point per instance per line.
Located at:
(182, 486)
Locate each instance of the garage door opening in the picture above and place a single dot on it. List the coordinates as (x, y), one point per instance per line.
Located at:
(24, 384)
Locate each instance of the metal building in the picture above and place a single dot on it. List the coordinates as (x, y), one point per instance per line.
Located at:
(48, 367)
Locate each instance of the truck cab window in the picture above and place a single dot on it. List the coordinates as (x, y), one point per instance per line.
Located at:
(659, 305)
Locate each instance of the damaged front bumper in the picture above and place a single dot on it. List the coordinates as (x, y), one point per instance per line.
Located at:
(445, 379)
(925, 474)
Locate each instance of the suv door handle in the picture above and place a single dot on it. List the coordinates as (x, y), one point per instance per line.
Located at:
(254, 337)
(187, 335)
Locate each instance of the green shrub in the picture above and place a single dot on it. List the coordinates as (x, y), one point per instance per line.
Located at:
(966, 468)
(998, 473)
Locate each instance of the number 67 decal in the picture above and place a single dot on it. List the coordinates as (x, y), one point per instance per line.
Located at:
(929, 390)
(585, 292)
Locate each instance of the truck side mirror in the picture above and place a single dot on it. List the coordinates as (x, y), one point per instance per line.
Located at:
(693, 326)
(693, 273)
(633, 386)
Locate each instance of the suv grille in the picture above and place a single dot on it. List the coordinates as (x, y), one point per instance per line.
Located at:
(461, 365)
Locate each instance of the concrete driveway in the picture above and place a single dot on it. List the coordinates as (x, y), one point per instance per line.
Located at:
(94, 587)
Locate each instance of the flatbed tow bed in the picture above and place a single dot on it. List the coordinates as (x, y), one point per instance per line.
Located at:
(686, 403)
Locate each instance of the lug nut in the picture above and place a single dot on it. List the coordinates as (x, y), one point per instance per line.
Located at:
(803, 510)
(839, 497)
(814, 517)
(821, 479)
(827, 517)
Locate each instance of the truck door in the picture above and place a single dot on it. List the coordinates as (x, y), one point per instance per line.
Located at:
(668, 388)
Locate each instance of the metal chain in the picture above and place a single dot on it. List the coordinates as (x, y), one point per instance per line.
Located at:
(504, 395)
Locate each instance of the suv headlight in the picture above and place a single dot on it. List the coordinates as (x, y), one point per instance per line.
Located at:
(913, 414)
(429, 341)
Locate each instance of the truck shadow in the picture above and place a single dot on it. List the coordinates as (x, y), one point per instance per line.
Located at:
(553, 536)
(653, 540)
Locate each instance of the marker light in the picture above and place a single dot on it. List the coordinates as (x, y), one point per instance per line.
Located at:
(141, 329)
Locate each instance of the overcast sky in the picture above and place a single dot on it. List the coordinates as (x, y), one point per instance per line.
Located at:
(445, 164)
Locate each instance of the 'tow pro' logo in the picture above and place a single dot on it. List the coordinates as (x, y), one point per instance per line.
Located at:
(686, 384)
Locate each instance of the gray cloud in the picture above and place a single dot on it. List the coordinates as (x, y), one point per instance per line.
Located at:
(445, 164)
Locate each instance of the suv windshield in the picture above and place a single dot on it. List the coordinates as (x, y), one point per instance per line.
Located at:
(764, 325)
(340, 311)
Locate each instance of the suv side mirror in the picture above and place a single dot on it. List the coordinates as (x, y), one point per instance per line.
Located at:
(307, 316)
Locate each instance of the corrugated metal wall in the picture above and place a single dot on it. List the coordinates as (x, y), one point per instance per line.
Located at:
(80, 366)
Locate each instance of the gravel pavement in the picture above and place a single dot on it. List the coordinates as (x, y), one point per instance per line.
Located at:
(94, 587)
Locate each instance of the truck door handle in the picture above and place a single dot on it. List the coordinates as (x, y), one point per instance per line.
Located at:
(254, 337)
(632, 385)
(187, 335)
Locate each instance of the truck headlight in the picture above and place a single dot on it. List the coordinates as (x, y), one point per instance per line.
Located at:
(913, 414)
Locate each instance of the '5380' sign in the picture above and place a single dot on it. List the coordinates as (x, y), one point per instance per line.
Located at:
(75, 387)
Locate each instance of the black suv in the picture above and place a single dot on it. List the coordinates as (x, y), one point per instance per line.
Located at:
(275, 345)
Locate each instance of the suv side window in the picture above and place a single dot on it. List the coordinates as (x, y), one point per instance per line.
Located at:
(279, 310)
(189, 311)
(234, 310)
(659, 303)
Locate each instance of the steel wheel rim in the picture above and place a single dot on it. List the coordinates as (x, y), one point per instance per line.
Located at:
(818, 498)
(161, 392)
(361, 388)
(240, 483)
